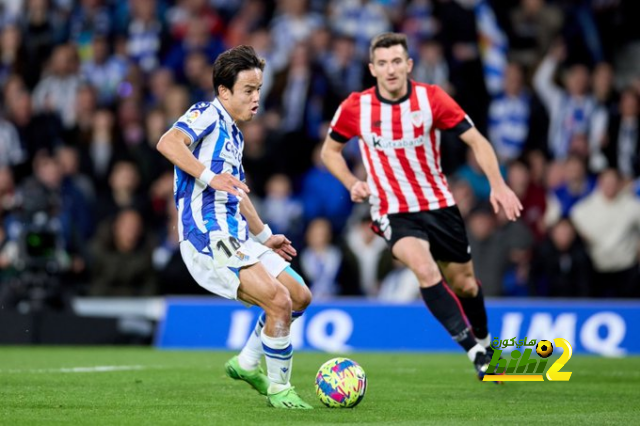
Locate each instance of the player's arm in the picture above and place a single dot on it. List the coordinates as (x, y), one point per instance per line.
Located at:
(334, 160)
(344, 126)
(173, 145)
(501, 194)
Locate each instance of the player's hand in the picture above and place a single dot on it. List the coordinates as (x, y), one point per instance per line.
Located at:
(359, 191)
(504, 197)
(228, 183)
(282, 246)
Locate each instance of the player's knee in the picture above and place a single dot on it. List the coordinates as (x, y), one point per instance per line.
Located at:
(280, 304)
(426, 273)
(465, 285)
(302, 299)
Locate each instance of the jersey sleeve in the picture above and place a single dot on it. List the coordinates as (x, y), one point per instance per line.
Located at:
(197, 122)
(447, 114)
(346, 121)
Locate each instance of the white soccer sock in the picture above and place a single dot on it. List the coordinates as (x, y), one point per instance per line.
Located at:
(251, 353)
(486, 341)
(475, 350)
(279, 355)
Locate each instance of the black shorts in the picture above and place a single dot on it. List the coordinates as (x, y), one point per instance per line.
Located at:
(443, 228)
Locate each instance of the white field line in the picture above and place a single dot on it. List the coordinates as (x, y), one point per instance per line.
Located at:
(96, 369)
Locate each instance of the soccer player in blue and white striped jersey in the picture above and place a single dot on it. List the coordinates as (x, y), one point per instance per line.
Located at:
(216, 218)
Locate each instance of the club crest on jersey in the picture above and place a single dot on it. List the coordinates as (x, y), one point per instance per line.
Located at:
(417, 119)
(240, 255)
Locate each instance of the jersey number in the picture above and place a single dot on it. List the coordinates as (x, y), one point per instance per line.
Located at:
(222, 246)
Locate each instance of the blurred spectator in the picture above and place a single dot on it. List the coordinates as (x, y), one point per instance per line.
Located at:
(130, 122)
(145, 35)
(475, 177)
(605, 97)
(431, 66)
(58, 90)
(360, 19)
(252, 15)
(570, 109)
(181, 16)
(124, 185)
(257, 161)
(517, 242)
(90, 19)
(292, 24)
(160, 83)
(419, 25)
(561, 265)
(151, 163)
(320, 260)
(623, 142)
(172, 274)
(122, 264)
(400, 285)
(7, 193)
(487, 249)
(197, 39)
(343, 68)
(12, 152)
(304, 98)
(463, 195)
(534, 24)
(69, 160)
(609, 222)
(324, 196)
(531, 195)
(509, 116)
(366, 255)
(280, 209)
(42, 30)
(103, 150)
(576, 185)
(176, 102)
(12, 55)
(104, 71)
(85, 105)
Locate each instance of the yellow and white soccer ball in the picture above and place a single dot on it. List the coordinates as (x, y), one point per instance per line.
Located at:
(341, 383)
(544, 348)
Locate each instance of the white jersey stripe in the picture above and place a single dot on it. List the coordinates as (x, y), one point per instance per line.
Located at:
(423, 100)
(387, 133)
(408, 133)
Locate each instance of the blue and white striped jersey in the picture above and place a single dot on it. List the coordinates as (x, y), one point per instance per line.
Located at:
(217, 143)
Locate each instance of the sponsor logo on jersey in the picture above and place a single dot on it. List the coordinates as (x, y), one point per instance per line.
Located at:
(381, 143)
(192, 116)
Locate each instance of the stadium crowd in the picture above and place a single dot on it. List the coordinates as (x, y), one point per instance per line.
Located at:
(88, 87)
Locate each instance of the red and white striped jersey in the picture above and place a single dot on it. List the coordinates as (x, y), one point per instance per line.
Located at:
(400, 145)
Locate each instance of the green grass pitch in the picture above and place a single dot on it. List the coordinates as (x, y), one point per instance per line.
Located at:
(46, 385)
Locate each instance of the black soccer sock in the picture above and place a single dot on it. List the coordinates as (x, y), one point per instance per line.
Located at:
(476, 313)
(444, 307)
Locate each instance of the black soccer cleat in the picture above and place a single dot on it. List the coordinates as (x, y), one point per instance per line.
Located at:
(481, 363)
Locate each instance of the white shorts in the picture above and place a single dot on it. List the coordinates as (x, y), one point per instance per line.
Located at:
(219, 274)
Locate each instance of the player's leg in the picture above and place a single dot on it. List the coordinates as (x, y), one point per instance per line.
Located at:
(259, 288)
(415, 253)
(251, 354)
(462, 280)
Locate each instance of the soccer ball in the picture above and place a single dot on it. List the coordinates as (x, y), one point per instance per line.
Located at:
(341, 383)
(544, 348)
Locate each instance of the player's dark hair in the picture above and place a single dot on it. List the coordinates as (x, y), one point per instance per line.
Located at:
(231, 63)
(388, 40)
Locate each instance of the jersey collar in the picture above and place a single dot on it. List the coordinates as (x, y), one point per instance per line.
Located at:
(397, 101)
(223, 111)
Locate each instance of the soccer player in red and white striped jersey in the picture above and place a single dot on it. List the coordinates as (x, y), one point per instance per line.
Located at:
(398, 124)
